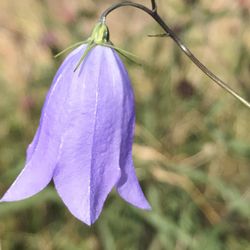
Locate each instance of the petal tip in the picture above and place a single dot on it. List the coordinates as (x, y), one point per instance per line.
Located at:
(7, 198)
(147, 207)
(87, 219)
(142, 204)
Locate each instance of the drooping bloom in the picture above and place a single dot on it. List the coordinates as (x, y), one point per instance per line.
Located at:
(84, 139)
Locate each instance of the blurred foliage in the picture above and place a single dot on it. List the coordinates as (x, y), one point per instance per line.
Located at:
(192, 144)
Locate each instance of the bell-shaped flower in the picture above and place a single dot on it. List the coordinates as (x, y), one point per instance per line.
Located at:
(84, 139)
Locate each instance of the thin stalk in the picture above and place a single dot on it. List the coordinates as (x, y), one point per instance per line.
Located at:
(169, 32)
(154, 6)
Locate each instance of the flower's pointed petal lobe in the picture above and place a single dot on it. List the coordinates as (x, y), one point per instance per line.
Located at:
(128, 186)
(88, 166)
(42, 152)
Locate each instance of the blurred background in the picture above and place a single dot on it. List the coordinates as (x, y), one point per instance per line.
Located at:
(192, 142)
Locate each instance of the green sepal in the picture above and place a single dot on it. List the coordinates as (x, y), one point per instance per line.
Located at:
(100, 36)
(90, 46)
(133, 58)
(70, 48)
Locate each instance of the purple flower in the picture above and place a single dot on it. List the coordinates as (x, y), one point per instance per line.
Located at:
(84, 139)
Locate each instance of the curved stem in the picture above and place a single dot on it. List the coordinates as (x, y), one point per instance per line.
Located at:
(123, 4)
(153, 13)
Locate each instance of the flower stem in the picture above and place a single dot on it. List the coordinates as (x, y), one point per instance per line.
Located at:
(169, 32)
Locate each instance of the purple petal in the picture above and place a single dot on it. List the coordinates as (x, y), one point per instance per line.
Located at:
(128, 186)
(59, 74)
(42, 152)
(88, 165)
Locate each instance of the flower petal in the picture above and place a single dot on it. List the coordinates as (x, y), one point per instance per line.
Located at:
(59, 74)
(88, 166)
(128, 186)
(42, 152)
